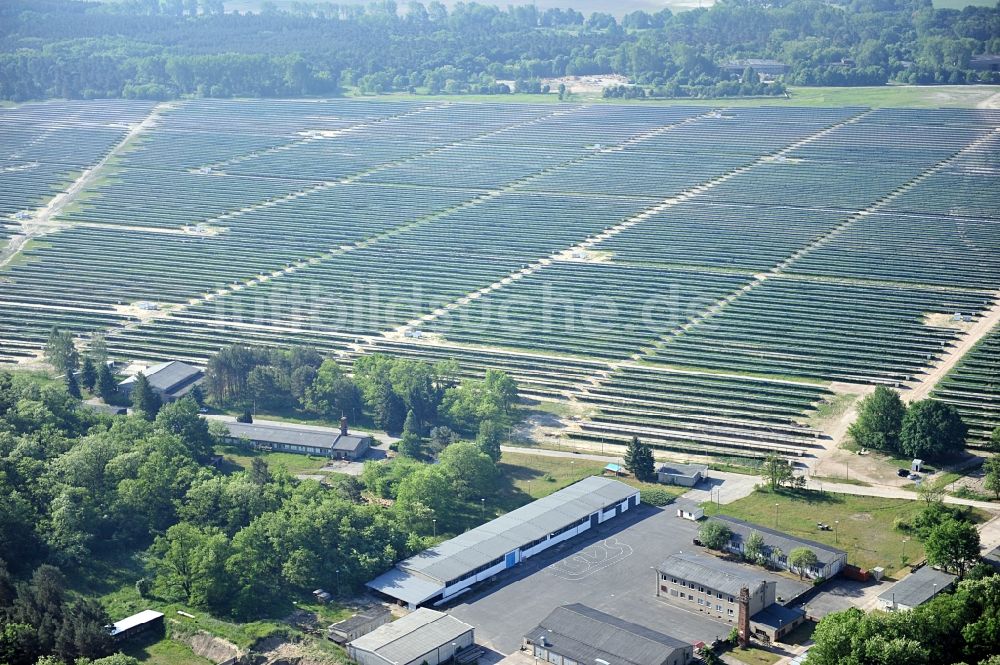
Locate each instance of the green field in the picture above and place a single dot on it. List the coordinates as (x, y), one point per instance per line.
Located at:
(865, 528)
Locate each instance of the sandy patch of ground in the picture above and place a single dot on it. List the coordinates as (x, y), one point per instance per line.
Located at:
(946, 321)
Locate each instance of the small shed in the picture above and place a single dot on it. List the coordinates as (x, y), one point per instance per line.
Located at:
(694, 513)
(147, 620)
(916, 465)
(614, 468)
(685, 475)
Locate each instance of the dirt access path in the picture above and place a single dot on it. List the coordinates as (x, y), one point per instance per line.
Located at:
(980, 329)
(41, 223)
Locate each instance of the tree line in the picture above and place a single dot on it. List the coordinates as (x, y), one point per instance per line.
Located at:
(426, 402)
(173, 48)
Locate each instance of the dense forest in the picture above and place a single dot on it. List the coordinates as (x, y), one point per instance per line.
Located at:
(162, 49)
(80, 488)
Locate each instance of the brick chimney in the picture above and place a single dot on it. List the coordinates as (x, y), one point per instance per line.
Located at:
(343, 425)
(743, 619)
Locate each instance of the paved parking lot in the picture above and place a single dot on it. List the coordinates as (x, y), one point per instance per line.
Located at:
(611, 569)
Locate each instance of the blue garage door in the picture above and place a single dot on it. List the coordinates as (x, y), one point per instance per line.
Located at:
(511, 560)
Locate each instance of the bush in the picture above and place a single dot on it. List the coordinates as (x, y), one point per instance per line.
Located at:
(655, 497)
(902, 524)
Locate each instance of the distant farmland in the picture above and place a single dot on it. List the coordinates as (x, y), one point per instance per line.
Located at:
(702, 278)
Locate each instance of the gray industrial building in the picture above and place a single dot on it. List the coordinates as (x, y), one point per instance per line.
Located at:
(577, 634)
(425, 637)
(915, 589)
(777, 546)
(450, 568)
(170, 380)
(302, 439)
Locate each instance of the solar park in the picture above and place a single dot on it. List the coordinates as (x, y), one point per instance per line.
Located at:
(702, 278)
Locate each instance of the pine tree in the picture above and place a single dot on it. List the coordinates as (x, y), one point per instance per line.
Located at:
(144, 400)
(645, 465)
(107, 387)
(88, 374)
(72, 386)
(632, 454)
(409, 444)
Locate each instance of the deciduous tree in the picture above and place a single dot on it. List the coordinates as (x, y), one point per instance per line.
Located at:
(932, 430)
(953, 545)
(880, 420)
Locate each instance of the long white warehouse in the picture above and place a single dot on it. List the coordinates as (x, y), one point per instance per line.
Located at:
(443, 571)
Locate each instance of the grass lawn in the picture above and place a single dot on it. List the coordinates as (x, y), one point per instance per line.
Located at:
(525, 477)
(156, 650)
(753, 656)
(237, 458)
(865, 528)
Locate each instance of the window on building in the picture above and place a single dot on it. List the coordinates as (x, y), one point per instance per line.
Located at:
(718, 608)
(730, 611)
(701, 589)
(701, 602)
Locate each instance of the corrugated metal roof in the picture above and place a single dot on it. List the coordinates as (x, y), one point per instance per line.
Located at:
(297, 435)
(585, 635)
(711, 572)
(919, 587)
(144, 617)
(412, 636)
(458, 556)
(167, 376)
(741, 530)
(406, 586)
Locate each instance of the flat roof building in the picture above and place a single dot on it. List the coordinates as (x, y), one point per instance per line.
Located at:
(425, 636)
(302, 439)
(915, 589)
(360, 624)
(170, 380)
(445, 570)
(580, 634)
(777, 546)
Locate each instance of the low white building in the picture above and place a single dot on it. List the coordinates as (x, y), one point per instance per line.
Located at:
(442, 572)
(425, 637)
(915, 589)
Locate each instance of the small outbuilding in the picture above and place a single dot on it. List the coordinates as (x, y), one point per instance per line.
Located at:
(915, 589)
(685, 475)
(423, 637)
(580, 634)
(145, 621)
(360, 624)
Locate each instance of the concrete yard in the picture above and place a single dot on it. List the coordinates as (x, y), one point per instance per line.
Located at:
(611, 569)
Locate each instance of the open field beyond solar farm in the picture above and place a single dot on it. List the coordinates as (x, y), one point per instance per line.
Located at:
(701, 277)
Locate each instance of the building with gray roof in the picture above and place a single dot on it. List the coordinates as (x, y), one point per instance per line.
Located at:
(915, 589)
(302, 439)
(581, 634)
(685, 475)
(424, 636)
(445, 570)
(777, 546)
(170, 380)
(710, 585)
